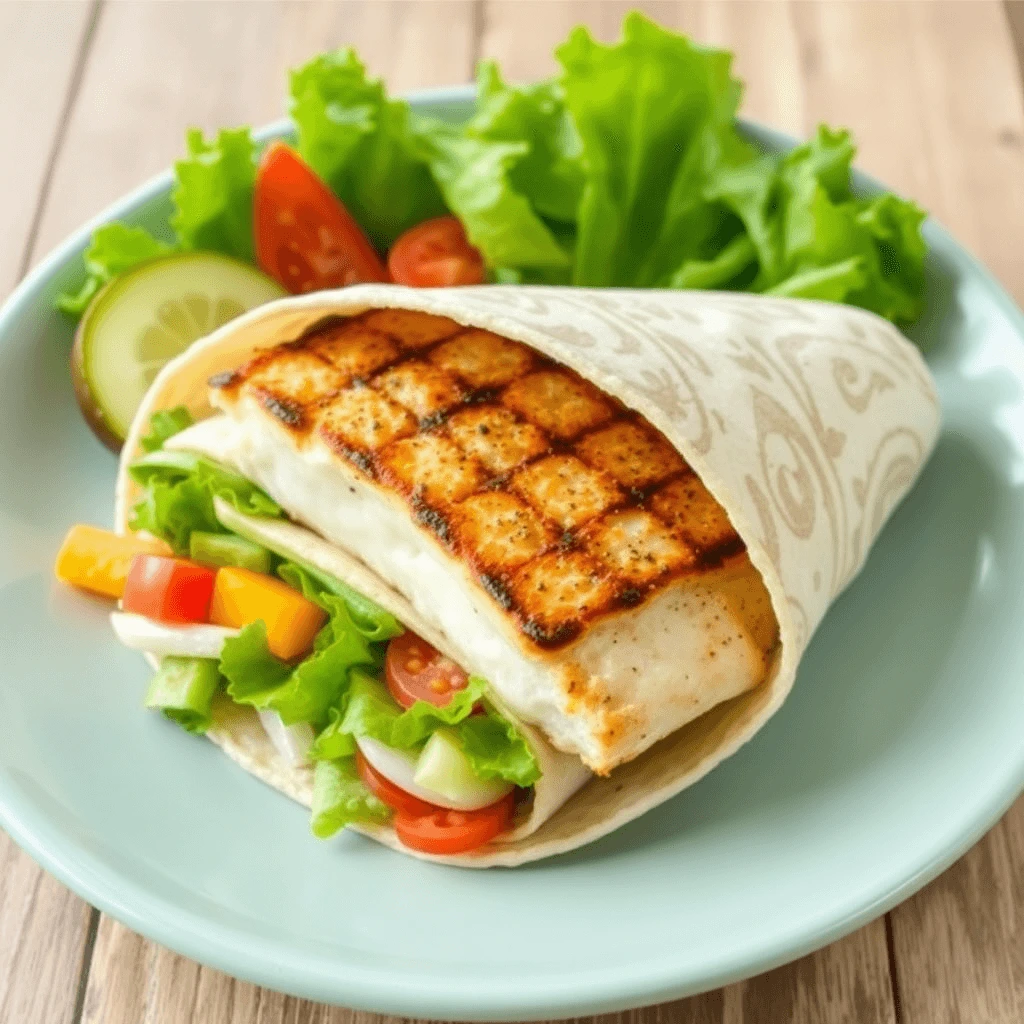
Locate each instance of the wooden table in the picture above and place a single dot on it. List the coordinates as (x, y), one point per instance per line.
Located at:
(94, 98)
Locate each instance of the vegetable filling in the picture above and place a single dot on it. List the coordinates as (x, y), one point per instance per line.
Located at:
(394, 731)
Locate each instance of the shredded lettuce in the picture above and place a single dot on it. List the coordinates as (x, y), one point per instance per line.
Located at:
(341, 798)
(178, 492)
(364, 145)
(114, 249)
(213, 193)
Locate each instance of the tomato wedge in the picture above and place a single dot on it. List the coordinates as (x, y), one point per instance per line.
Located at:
(416, 671)
(447, 832)
(305, 238)
(168, 589)
(435, 254)
(394, 796)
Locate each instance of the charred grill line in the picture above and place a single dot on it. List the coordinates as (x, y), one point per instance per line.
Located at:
(224, 379)
(287, 413)
(639, 487)
(497, 589)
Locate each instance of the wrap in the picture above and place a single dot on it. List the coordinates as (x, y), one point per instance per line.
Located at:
(807, 421)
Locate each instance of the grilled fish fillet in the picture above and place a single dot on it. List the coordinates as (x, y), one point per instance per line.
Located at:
(553, 535)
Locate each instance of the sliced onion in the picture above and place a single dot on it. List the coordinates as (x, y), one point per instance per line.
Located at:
(399, 767)
(292, 742)
(142, 634)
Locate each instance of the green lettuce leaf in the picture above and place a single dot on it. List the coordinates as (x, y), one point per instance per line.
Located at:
(497, 750)
(213, 193)
(305, 692)
(363, 145)
(178, 492)
(163, 425)
(493, 744)
(341, 798)
(550, 172)
(474, 176)
(114, 249)
(513, 176)
(648, 111)
(332, 741)
(373, 622)
(815, 239)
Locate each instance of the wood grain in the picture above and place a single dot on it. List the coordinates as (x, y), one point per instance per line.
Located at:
(158, 68)
(43, 927)
(39, 50)
(944, 123)
(932, 92)
(155, 69)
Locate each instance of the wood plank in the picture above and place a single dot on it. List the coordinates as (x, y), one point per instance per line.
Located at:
(43, 927)
(960, 151)
(39, 47)
(156, 69)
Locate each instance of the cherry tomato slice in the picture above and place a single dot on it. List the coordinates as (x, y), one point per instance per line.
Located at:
(394, 796)
(447, 832)
(305, 238)
(435, 254)
(168, 589)
(416, 671)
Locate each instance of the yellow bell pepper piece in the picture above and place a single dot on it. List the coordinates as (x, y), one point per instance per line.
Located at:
(98, 560)
(241, 596)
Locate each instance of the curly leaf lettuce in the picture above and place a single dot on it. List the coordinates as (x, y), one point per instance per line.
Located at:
(163, 425)
(474, 176)
(513, 177)
(650, 111)
(494, 746)
(178, 492)
(626, 169)
(213, 193)
(114, 249)
(341, 798)
(364, 145)
(307, 691)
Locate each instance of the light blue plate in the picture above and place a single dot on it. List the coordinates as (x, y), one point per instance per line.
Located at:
(901, 744)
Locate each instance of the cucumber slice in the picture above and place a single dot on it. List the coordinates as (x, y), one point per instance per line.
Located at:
(217, 549)
(444, 768)
(146, 317)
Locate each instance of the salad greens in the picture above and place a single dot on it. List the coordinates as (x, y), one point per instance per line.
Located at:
(626, 168)
(304, 692)
(178, 492)
(114, 249)
(337, 688)
(213, 193)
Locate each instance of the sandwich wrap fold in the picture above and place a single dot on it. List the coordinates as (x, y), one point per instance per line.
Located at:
(808, 421)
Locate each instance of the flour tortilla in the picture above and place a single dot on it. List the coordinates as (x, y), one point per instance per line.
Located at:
(808, 421)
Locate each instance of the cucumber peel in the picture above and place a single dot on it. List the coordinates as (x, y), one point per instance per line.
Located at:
(146, 317)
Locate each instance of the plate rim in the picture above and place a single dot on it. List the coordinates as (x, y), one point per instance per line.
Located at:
(275, 963)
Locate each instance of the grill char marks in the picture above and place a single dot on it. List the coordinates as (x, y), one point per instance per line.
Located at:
(562, 503)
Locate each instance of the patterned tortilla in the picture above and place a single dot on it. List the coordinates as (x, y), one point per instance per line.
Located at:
(808, 421)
